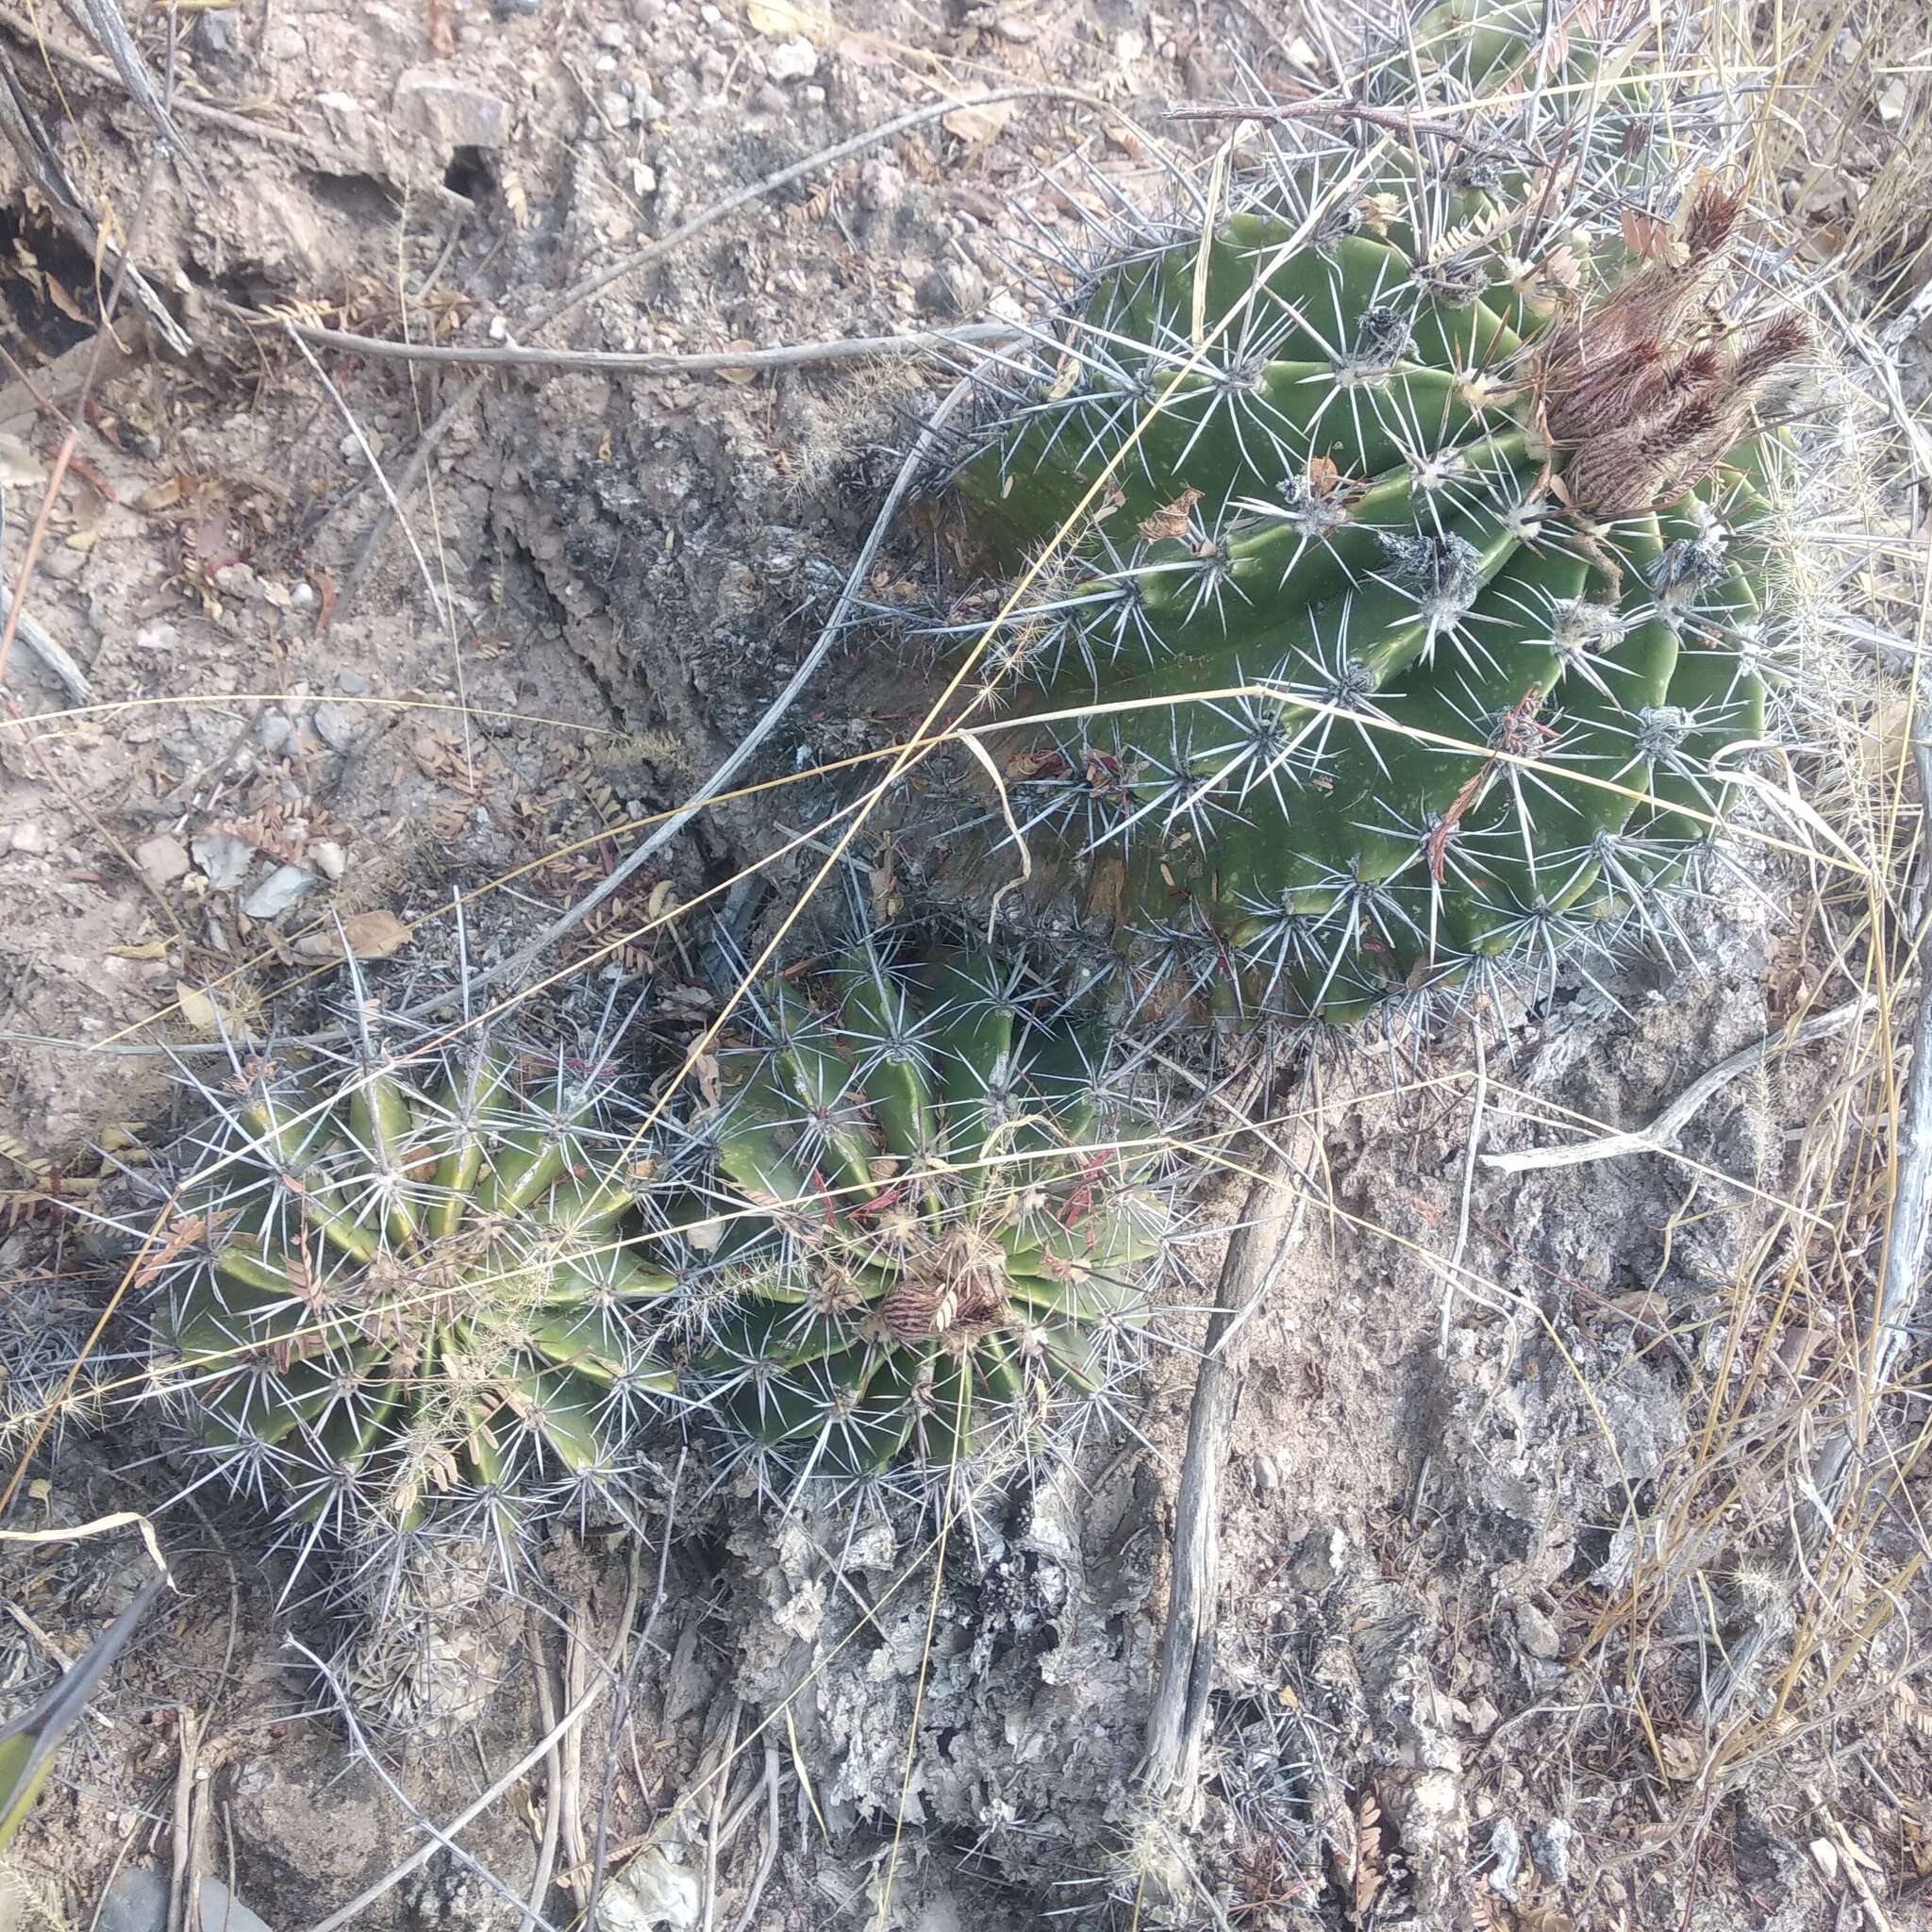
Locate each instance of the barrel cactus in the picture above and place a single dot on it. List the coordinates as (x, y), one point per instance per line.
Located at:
(403, 1299)
(1381, 546)
(913, 1229)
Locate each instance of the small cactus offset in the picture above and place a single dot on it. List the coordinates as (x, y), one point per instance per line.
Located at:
(1393, 534)
(407, 1302)
(916, 1227)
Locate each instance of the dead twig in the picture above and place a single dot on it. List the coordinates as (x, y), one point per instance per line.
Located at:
(807, 668)
(767, 1854)
(620, 1710)
(572, 299)
(719, 1791)
(1178, 1717)
(438, 1840)
(553, 1792)
(179, 1905)
(644, 362)
(1657, 1137)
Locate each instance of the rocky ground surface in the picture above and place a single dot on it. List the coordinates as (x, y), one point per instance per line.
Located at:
(1467, 1391)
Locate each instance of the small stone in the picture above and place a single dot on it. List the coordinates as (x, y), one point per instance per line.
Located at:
(237, 580)
(794, 59)
(31, 837)
(162, 858)
(612, 35)
(881, 186)
(157, 637)
(330, 859)
(216, 35)
(135, 1902)
(1506, 1856)
(517, 10)
(769, 99)
(643, 178)
(353, 684)
(302, 597)
(814, 96)
(1550, 1846)
(953, 288)
(1536, 1632)
(278, 891)
(1266, 1480)
(450, 114)
(284, 43)
(614, 108)
(604, 64)
(275, 731)
(223, 858)
(338, 725)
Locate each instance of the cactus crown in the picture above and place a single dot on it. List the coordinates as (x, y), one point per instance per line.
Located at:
(406, 1299)
(1415, 607)
(913, 1228)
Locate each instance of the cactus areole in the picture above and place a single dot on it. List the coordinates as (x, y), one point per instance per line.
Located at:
(1396, 539)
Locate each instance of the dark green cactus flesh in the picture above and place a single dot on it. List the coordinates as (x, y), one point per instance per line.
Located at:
(413, 1301)
(917, 1228)
(1400, 536)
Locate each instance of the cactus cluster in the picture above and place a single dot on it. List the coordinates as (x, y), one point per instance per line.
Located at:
(913, 1231)
(428, 1301)
(403, 1299)
(1380, 543)
(49, 1376)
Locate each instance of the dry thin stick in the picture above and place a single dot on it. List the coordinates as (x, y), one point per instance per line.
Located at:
(348, 416)
(779, 705)
(553, 1792)
(438, 1840)
(620, 1709)
(179, 104)
(767, 1856)
(645, 361)
(1851, 1860)
(1177, 1720)
(1656, 1137)
(178, 1844)
(576, 1672)
(35, 536)
(1453, 1276)
(710, 1894)
(575, 297)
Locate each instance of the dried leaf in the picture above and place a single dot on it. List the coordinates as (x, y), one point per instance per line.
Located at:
(197, 1008)
(368, 936)
(704, 1070)
(165, 494)
(1368, 1852)
(779, 20)
(65, 303)
(1042, 763)
(1172, 520)
(1681, 1755)
(978, 125)
(325, 586)
(1649, 238)
(18, 464)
